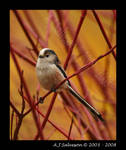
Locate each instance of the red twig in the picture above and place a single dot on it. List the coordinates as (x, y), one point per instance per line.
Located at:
(60, 29)
(63, 37)
(53, 124)
(77, 72)
(30, 20)
(27, 14)
(98, 59)
(30, 52)
(75, 38)
(28, 28)
(85, 59)
(87, 66)
(27, 93)
(74, 64)
(49, 110)
(78, 128)
(47, 114)
(19, 122)
(25, 31)
(75, 111)
(15, 109)
(20, 54)
(82, 69)
(48, 27)
(20, 117)
(18, 127)
(105, 87)
(103, 32)
(82, 84)
(58, 128)
(65, 66)
(70, 128)
(12, 118)
(114, 13)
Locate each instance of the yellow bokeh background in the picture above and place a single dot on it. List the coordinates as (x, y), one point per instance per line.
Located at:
(94, 44)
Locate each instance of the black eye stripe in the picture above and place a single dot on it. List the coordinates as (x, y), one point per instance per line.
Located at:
(40, 56)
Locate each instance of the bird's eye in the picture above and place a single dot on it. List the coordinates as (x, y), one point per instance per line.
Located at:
(47, 55)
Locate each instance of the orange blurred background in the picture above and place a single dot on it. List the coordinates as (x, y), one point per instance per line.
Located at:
(93, 44)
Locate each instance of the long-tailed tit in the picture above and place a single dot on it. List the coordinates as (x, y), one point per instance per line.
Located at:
(50, 74)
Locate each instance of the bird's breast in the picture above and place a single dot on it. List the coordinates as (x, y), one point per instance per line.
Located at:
(49, 77)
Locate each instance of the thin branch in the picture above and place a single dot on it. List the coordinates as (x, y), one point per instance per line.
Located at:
(17, 128)
(82, 69)
(85, 59)
(63, 36)
(70, 128)
(18, 125)
(74, 64)
(77, 72)
(32, 24)
(86, 66)
(25, 31)
(61, 31)
(12, 118)
(75, 111)
(48, 27)
(65, 66)
(27, 15)
(78, 128)
(114, 13)
(14, 108)
(28, 28)
(23, 102)
(30, 52)
(47, 114)
(20, 54)
(20, 118)
(103, 32)
(27, 93)
(44, 117)
(55, 126)
(75, 38)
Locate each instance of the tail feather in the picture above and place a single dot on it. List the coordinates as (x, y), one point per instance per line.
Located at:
(84, 102)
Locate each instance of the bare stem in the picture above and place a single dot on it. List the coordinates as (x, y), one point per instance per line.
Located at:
(47, 114)
(25, 31)
(27, 93)
(12, 118)
(103, 32)
(75, 38)
(87, 66)
(70, 128)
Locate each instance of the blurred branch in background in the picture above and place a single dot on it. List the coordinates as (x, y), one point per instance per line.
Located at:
(63, 31)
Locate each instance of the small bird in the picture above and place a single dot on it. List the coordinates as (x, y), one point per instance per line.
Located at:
(50, 73)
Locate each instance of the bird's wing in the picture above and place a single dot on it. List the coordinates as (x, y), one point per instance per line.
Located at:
(63, 72)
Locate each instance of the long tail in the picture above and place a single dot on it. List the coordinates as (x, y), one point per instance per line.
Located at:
(84, 102)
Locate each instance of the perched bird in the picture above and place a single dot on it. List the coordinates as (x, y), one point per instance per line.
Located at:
(50, 74)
